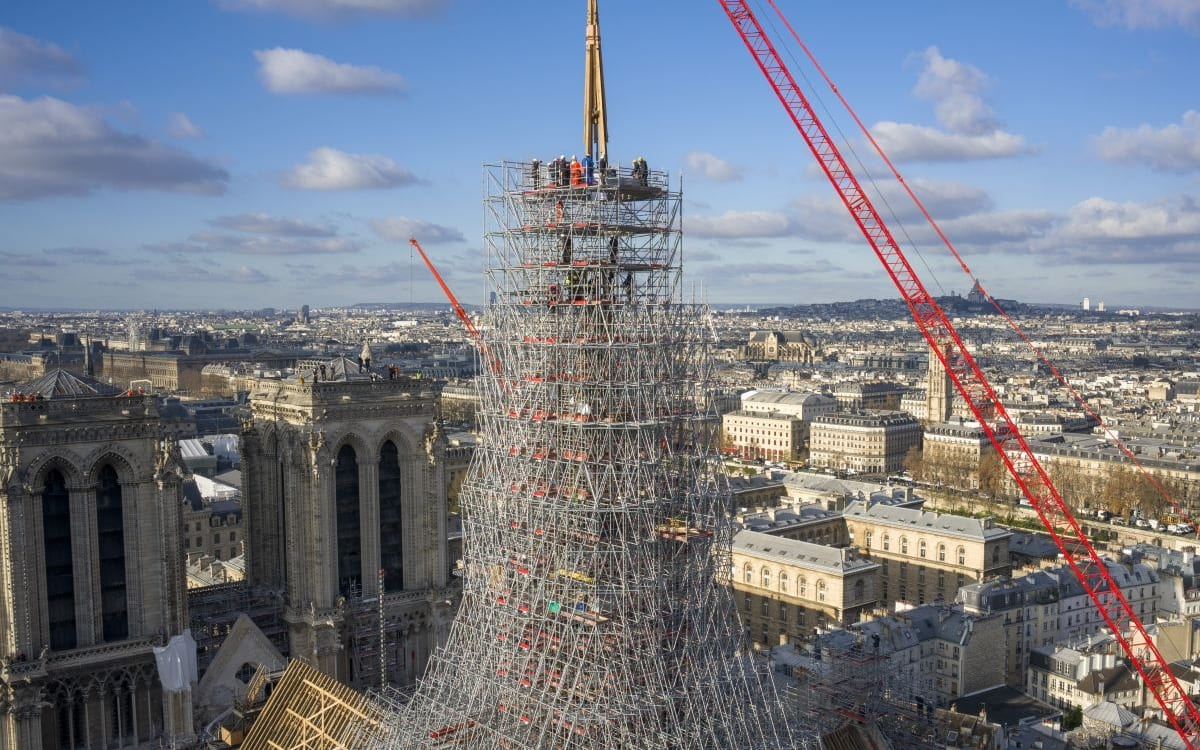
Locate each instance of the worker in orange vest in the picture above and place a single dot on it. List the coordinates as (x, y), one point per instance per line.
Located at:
(576, 173)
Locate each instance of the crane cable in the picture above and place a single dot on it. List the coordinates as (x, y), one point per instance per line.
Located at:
(966, 269)
(849, 145)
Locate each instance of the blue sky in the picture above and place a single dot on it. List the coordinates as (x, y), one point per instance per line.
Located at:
(246, 153)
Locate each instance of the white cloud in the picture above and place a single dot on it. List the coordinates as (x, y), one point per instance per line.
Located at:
(52, 147)
(87, 256)
(1102, 220)
(954, 87)
(294, 71)
(401, 228)
(181, 126)
(330, 169)
(25, 58)
(1017, 231)
(204, 244)
(22, 260)
(1172, 148)
(260, 223)
(194, 273)
(712, 167)
(905, 142)
(337, 9)
(1143, 14)
(971, 128)
(740, 225)
(825, 217)
(389, 273)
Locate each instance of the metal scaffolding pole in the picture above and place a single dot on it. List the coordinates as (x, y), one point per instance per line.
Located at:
(596, 609)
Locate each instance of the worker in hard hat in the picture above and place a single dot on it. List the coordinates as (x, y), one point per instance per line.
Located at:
(589, 170)
(576, 173)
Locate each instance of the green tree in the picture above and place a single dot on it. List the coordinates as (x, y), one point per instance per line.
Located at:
(1072, 718)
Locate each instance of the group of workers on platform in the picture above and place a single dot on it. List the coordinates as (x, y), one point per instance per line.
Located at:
(576, 173)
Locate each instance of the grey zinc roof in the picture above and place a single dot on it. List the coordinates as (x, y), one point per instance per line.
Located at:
(782, 397)
(60, 383)
(971, 528)
(192, 448)
(800, 553)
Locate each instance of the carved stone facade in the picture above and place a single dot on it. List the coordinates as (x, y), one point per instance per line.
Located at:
(344, 489)
(90, 567)
(939, 392)
(781, 346)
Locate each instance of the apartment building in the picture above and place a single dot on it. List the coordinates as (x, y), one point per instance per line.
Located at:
(953, 453)
(772, 437)
(926, 557)
(785, 588)
(872, 442)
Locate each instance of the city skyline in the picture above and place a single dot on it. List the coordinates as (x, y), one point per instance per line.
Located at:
(252, 153)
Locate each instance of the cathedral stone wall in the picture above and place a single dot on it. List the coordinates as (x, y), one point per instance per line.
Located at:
(342, 480)
(91, 571)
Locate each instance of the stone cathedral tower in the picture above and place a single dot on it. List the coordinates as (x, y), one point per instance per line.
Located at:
(90, 565)
(939, 398)
(344, 492)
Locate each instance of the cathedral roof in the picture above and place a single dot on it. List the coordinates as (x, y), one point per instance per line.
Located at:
(60, 383)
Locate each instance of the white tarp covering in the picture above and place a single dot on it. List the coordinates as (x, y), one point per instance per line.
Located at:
(177, 663)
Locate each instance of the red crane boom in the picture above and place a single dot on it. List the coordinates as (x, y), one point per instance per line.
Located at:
(458, 309)
(935, 326)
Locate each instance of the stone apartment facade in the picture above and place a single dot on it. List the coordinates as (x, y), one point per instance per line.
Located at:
(953, 452)
(926, 557)
(869, 442)
(1044, 607)
(786, 588)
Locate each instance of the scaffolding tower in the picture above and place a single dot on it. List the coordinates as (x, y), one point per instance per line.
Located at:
(862, 685)
(596, 609)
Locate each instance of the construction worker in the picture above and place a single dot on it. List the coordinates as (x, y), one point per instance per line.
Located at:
(576, 173)
(535, 173)
(641, 173)
(553, 167)
(589, 170)
(562, 171)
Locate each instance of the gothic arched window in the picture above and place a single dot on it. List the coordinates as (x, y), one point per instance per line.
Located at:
(60, 568)
(110, 523)
(349, 532)
(391, 547)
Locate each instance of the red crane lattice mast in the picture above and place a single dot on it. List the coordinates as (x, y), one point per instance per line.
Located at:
(1029, 475)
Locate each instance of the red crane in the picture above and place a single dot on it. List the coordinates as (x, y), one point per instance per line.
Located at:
(469, 324)
(1029, 475)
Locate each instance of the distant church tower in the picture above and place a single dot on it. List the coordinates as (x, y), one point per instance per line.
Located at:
(344, 489)
(939, 398)
(90, 566)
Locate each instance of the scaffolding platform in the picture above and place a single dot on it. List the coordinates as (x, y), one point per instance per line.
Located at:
(596, 546)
